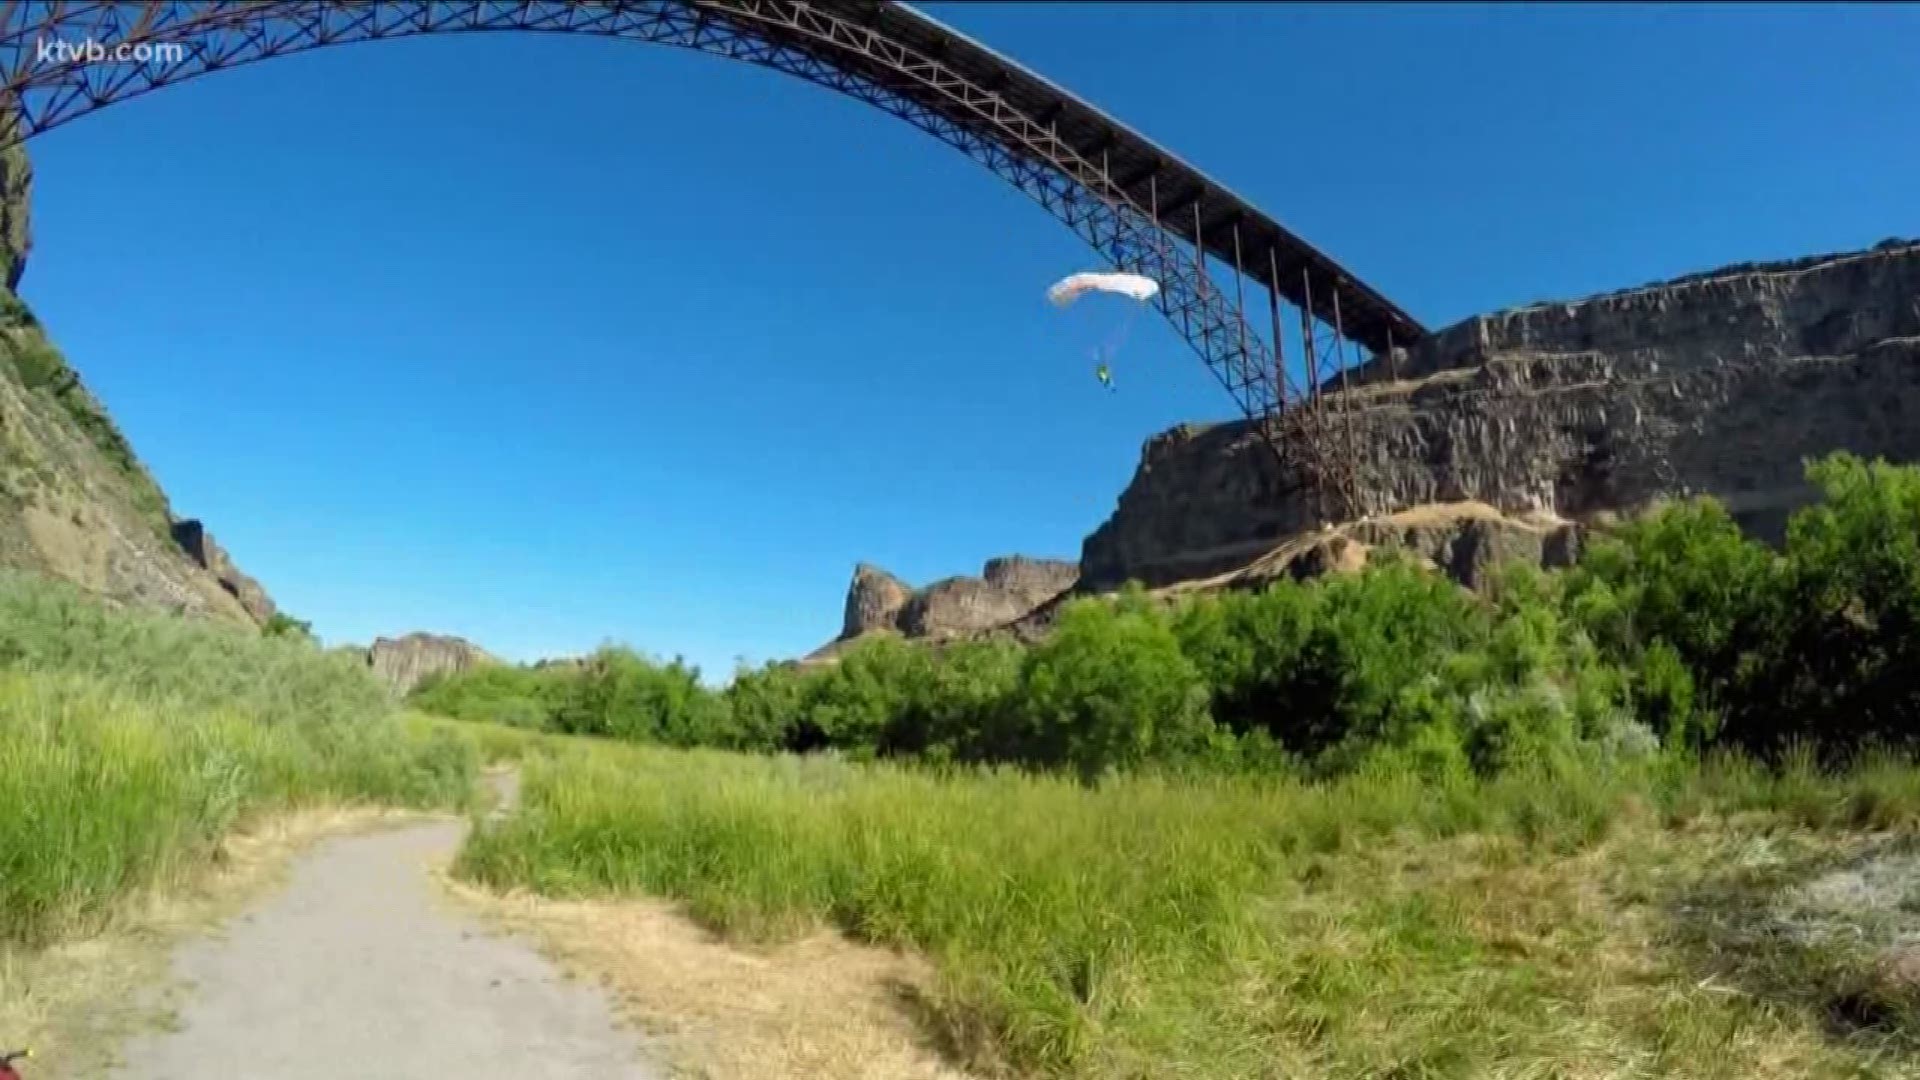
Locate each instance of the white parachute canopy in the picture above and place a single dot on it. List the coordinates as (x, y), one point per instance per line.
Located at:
(1073, 286)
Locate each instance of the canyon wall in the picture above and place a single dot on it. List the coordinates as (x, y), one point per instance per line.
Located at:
(1721, 383)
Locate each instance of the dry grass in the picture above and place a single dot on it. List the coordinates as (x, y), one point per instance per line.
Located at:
(75, 1001)
(818, 1008)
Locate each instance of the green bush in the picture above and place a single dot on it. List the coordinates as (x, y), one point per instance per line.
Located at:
(1844, 664)
(1247, 647)
(1375, 634)
(620, 694)
(1731, 643)
(38, 364)
(1110, 689)
(615, 693)
(1685, 581)
(964, 709)
(200, 664)
(852, 703)
(285, 625)
(523, 697)
(764, 706)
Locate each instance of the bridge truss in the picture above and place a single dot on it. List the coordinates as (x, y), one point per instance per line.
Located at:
(1137, 204)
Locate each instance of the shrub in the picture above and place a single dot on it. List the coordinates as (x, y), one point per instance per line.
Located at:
(1374, 635)
(1729, 643)
(199, 664)
(1688, 578)
(285, 625)
(765, 705)
(619, 694)
(1844, 667)
(965, 711)
(1110, 688)
(852, 703)
(1247, 648)
(523, 697)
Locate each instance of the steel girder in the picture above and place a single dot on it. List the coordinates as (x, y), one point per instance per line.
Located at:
(182, 40)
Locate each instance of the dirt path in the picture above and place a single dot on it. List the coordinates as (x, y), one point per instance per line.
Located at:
(362, 967)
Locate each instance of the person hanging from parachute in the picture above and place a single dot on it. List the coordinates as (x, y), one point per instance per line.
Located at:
(1132, 286)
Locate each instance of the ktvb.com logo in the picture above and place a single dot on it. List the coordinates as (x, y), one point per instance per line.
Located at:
(89, 51)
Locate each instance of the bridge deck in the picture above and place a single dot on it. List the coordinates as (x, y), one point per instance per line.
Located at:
(1144, 169)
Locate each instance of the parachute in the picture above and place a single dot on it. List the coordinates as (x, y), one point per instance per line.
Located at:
(1130, 286)
(1073, 286)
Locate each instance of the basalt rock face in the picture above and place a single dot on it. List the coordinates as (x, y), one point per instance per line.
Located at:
(1722, 383)
(405, 662)
(874, 601)
(199, 545)
(1006, 590)
(1204, 499)
(1032, 581)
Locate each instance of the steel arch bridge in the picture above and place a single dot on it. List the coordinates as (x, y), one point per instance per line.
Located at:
(1141, 207)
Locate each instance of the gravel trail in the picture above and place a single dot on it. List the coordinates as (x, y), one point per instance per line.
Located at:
(361, 967)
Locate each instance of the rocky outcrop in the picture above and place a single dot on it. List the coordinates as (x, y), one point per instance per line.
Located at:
(1821, 305)
(405, 662)
(1031, 581)
(874, 601)
(199, 545)
(1006, 590)
(1722, 383)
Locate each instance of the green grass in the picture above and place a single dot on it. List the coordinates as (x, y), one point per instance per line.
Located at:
(497, 744)
(129, 744)
(1563, 923)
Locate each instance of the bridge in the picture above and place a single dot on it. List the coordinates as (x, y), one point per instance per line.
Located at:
(1226, 269)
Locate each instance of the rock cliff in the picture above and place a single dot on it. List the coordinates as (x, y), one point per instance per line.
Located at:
(1721, 383)
(1007, 590)
(405, 662)
(874, 601)
(199, 545)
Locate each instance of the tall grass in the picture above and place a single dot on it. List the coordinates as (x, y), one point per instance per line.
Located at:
(129, 744)
(46, 626)
(1379, 925)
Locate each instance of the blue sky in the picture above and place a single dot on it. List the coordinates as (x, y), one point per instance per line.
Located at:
(547, 341)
